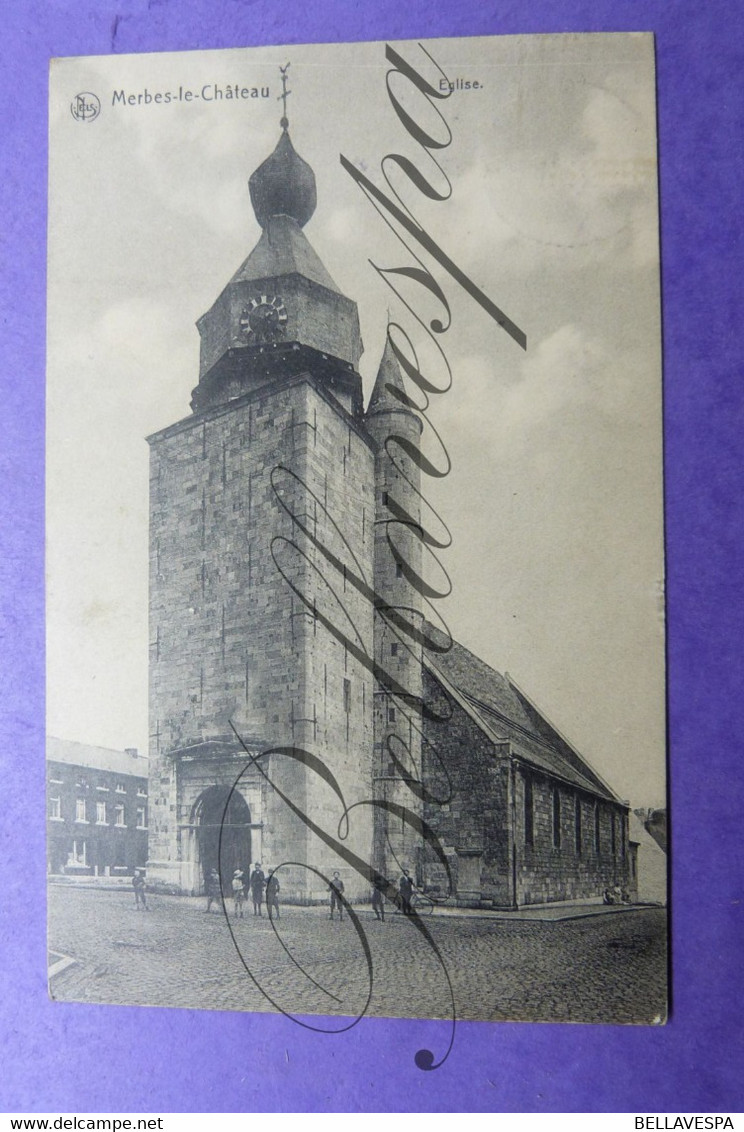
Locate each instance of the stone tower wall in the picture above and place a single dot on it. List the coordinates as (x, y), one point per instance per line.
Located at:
(338, 683)
(229, 640)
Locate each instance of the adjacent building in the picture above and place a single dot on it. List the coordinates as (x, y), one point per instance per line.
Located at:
(96, 810)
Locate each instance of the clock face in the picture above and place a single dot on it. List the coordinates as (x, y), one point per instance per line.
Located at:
(263, 319)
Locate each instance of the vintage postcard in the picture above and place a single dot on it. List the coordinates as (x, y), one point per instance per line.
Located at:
(355, 553)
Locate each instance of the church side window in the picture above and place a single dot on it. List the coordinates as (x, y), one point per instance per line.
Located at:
(597, 838)
(556, 818)
(578, 825)
(347, 696)
(614, 836)
(529, 812)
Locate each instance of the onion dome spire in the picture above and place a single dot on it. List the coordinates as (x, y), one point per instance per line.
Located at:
(284, 185)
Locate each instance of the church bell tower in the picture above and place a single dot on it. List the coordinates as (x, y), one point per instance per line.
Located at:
(261, 502)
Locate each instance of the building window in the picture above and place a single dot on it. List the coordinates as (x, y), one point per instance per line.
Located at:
(141, 793)
(121, 788)
(391, 715)
(103, 789)
(101, 813)
(614, 836)
(578, 826)
(80, 810)
(82, 784)
(141, 817)
(394, 649)
(55, 809)
(119, 815)
(623, 835)
(556, 818)
(529, 812)
(399, 569)
(384, 499)
(597, 828)
(55, 782)
(78, 854)
(347, 696)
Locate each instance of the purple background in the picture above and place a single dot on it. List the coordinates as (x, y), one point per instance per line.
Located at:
(61, 1057)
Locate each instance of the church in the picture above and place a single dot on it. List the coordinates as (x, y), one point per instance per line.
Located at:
(304, 712)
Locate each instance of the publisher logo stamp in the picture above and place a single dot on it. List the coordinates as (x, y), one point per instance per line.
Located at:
(85, 107)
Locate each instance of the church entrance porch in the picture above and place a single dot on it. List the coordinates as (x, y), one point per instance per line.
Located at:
(220, 836)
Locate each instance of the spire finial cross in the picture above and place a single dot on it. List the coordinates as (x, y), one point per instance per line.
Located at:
(284, 123)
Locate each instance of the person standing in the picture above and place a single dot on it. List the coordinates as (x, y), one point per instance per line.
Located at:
(238, 892)
(257, 882)
(405, 886)
(214, 890)
(272, 895)
(336, 888)
(138, 884)
(378, 903)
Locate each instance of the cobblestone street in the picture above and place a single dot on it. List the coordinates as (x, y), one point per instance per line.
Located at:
(602, 968)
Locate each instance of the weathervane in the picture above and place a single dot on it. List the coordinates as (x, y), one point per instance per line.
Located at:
(284, 96)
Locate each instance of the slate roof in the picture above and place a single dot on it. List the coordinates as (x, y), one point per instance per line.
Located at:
(505, 714)
(382, 400)
(284, 249)
(95, 758)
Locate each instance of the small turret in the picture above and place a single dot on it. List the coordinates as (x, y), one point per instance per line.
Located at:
(398, 558)
(389, 381)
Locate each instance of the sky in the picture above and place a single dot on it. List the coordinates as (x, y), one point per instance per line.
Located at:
(554, 499)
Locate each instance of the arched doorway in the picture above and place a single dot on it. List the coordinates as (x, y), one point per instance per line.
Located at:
(223, 833)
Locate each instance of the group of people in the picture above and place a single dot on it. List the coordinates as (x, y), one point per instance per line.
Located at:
(404, 901)
(266, 889)
(258, 885)
(616, 895)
